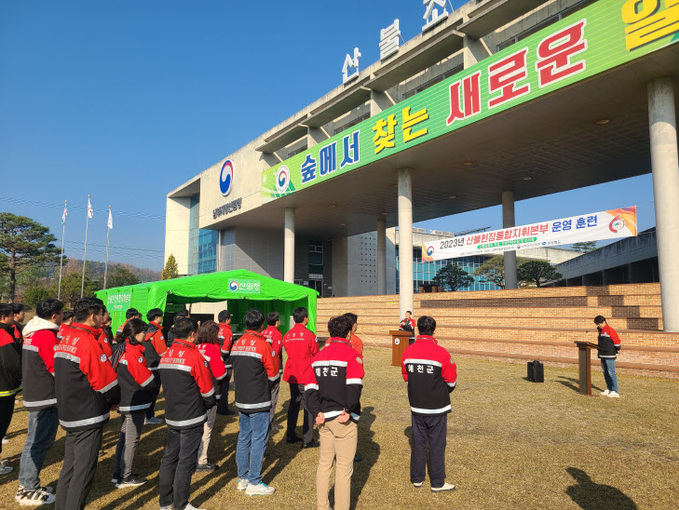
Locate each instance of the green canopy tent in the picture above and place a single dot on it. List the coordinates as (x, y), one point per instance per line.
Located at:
(240, 288)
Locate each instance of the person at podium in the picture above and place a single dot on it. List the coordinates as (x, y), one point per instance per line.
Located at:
(407, 324)
(609, 346)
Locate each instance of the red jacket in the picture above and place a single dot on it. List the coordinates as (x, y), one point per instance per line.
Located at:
(156, 337)
(38, 364)
(10, 362)
(609, 343)
(300, 346)
(275, 339)
(105, 343)
(187, 382)
(336, 381)
(63, 331)
(254, 370)
(405, 322)
(214, 358)
(431, 376)
(84, 381)
(225, 334)
(356, 343)
(138, 385)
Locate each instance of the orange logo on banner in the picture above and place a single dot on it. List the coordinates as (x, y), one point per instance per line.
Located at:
(626, 215)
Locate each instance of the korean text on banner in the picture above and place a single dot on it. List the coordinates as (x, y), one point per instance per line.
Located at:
(587, 227)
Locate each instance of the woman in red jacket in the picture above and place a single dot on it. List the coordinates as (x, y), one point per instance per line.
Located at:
(138, 387)
(208, 345)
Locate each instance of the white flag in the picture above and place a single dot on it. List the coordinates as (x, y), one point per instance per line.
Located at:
(90, 211)
(110, 219)
(63, 215)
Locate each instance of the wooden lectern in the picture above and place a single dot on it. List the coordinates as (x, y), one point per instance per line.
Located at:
(585, 366)
(399, 342)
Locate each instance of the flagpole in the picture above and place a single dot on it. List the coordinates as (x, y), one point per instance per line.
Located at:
(108, 232)
(61, 257)
(87, 223)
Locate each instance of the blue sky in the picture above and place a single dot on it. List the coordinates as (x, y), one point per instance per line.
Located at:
(127, 100)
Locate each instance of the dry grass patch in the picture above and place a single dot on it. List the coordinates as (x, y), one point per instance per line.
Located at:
(511, 444)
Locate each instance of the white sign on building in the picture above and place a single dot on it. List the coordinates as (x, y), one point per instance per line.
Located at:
(390, 39)
(350, 63)
(431, 13)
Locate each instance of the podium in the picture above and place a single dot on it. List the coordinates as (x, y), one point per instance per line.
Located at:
(399, 342)
(585, 366)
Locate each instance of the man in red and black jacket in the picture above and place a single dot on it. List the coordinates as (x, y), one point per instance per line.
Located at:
(10, 373)
(40, 400)
(431, 376)
(130, 313)
(254, 371)
(225, 336)
(608, 347)
(300, 346)
(189, 393)
(86, 388)
(275, 339)
(333, 395)
(154, 348)
(104, 340)
(19, 310)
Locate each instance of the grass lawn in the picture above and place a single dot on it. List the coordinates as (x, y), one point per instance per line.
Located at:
(512, 444)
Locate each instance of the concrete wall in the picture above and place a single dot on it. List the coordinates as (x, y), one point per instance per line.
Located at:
(626, 251)
(177, 214)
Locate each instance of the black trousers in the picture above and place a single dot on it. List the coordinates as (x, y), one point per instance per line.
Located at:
(223, 402)
(297, 399)
(151, 411)
(6, 411)
(80, 464)
(432, 430)
(178, 465)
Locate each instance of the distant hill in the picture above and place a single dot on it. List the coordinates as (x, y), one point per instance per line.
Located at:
(95, 270)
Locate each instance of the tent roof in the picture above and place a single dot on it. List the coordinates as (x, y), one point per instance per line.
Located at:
(215, 287)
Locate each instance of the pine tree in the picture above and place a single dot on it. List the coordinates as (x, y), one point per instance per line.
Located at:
(170, 270)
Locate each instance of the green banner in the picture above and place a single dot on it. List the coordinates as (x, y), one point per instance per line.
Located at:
(597, 38)
(118, 302)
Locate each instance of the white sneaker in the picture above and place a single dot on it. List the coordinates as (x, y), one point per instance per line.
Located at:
(417, 485)
(614, 394)
(5, 440)
(191, 507)
(21, 490)
(242, 484)
(4, 468)
(35, 498)
(605, 392)
(445, 487)
(261, 489)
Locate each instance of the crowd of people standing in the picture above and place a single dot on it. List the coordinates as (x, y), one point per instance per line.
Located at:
(74, 372)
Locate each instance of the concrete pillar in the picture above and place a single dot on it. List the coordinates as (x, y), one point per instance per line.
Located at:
(289, 246)
(316, 136)
(381, 256)
(475, 50)
(380, 101)
(507, 222)
(665, 169)
(405, 243)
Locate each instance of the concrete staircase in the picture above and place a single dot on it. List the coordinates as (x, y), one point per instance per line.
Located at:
(527, 324)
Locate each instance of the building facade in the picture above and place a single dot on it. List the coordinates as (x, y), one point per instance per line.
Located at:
(497, 101)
